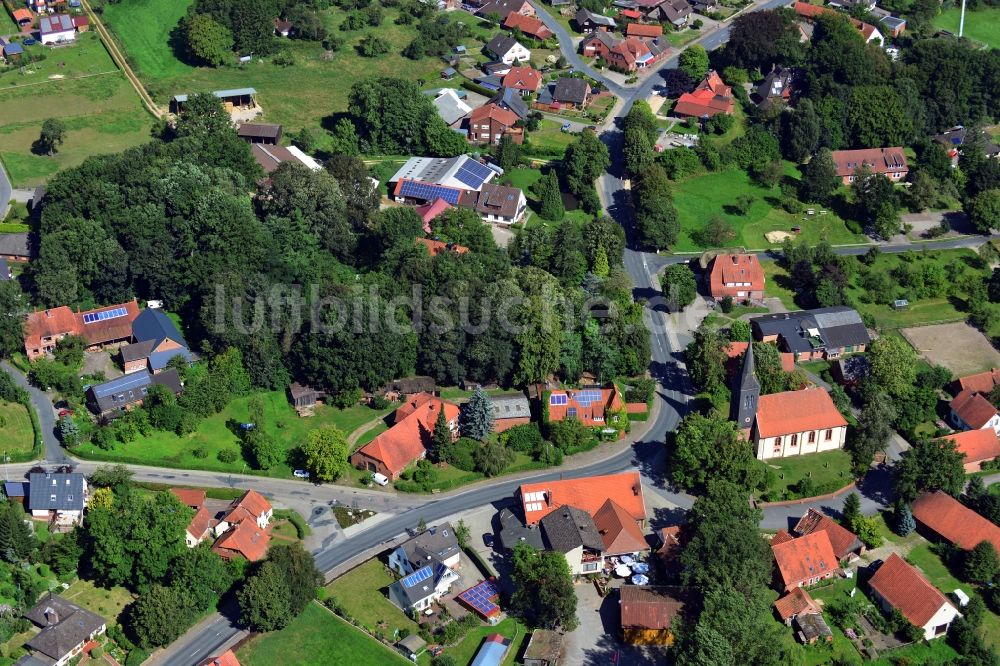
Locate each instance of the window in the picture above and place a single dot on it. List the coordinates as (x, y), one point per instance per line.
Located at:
(829, 435)
(795, 440)
(812, 437)
(590, 566)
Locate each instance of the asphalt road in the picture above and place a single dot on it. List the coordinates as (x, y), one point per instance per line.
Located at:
(54, 453)
(5, 191)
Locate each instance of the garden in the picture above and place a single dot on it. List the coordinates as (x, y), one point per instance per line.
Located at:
(16, 431)
(807, 475)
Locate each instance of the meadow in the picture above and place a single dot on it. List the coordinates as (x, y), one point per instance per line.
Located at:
(982, 25)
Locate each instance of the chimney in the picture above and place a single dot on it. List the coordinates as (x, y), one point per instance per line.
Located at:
(51, 616)
(635, 489)
(548, 498)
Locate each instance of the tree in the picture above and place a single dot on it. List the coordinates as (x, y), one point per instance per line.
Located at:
(874, 430)
(710, 447)
(208, 42)
(326, 451)
(441, 437)
(905, 522)
(116, 477)
(550, 197)
(252, 23)
(981, 564)
(852, 509)
(706, 357)
(476, 418)
(819, 179)
(373, 46)
(492, 458)
(893, 365)
(160, 616)
(68, 431)
(693, 61)
(876, 117)
(585, 159)
(655, 216)
(543, 589)
(876, 201)
(52, 136)
(265, 600)
(638, 151)
(717, 233)
(300, 572)
(732, 624)
(801, 131)
(16, 541)
(761, 39)
(867, 529)
(984, 210)
(929, 465)
(462, 534)
(101, 498)
(680, 287)
(507, 153)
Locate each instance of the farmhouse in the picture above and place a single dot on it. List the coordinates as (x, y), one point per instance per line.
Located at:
(98, 327)
(450, 107)
(845, 543)
(982, 382)
(824, 333)
(941, 517)
(738, 276)
(155, 342)
(971, 410)
(528, 25)
(897, 585)
(805, 560)
(710, 98)
(795, 603)
(648, 612)
(978, 447)
(888, 162)
(58, 498)
(65, 629)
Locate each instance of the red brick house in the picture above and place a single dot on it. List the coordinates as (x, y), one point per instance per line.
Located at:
(805, 560)
(593, 407)
(978, 447)
(624, 55)
(710, 98)
(490, 122)
(98, 327)
(889, 162)
(845, 543)
(528, 25)
(738, 276)
(407, 440)
(588, 494)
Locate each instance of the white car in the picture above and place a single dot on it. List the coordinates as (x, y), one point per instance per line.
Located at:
(301, 474)
(380, 479)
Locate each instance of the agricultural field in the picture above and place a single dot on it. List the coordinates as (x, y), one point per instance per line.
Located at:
(958, 347)
(982, 25)
(16, 431)
(80, 85)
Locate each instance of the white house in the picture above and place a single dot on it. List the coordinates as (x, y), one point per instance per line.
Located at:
(433, 545)
(56, 28)
(253, 506)
(508, 50)
(64, 629)
(970, 410)
(897, 585)
(501, 204)
(423, 587)
(58, 498)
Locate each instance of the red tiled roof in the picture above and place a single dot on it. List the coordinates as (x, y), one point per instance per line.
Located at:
(436, 247)
(648, 607)
(669, 539)
(640, 30)
(737, 349)
(977, 445)
(80, 20)
(973, 408)
(797, 411)
(879, 160)
(843, 540)
(189, 497)
(587, 494)
(780, 537)
(630, 13)
(523, 78)
(954, 521)
(618, 530)
(62, 321)
(227, 658)
(796, 602)
(806, 557)
(493, 112)
(428, 212)
(201, 523)
(21, 14)
(711, 97)
(252, 505)
(590, 413)
(982, 382)
(529, 25)
(905, 589)
(404, 442)
(736, 269)
(245, 539)
(806, 10)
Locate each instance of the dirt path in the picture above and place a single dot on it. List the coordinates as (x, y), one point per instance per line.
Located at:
(358, 432)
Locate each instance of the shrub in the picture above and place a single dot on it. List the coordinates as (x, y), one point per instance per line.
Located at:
(227, 455)
(524, 438)
(726, 305)
(460, 454)
(378, 403)
(97, 653)
(199, 452)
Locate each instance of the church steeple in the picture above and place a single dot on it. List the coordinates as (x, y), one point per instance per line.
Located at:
(746, 393)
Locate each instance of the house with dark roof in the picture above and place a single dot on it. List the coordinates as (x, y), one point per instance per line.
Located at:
(544, 648)
(897, 585)
(941, 517)
(648, 613)
(155, 341)
(954, 138)
(18, 247)
(504, 8)
(675, 12)
(888, 162)
(823, 333)
(805, 560)
(58, 498)
(126, 392)
(845, 543)
(508, 50)
(437, 545)
(571, 93)
(420, 589)
(510, 99)
(267, 133)
(850, 371)
(513, 531)
(588, 21)
(65, 629)
(510, 410)
(500, 204)
(572, 532)
(776, 88)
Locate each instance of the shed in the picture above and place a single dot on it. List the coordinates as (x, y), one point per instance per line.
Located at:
(14, 49)
(492, 652)
(5, 272)
(302, 396)
(544, 648)
(961, 597)
(448, 73)
(15, 491)
(900, 304)
(411, 646)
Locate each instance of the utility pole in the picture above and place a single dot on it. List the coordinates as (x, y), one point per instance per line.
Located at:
(961, 20)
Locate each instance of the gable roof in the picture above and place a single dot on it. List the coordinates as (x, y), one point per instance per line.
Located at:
(806, 557)
(251, 505)
(154, 324)
(190, 497)
(618, 530)
(569, 527)
(570, 89)
(711, 96)
(492, 112)
(404, 442)
(879, 160)
(131, 388)
(450, 107)
(807, 330)
(587, 493)
(260, 130)
(510, 98)
(510, 406)
(12, 49)
(436, 247)
(588, 405)
(23, 244)
(227, 658)
(843, 540)
(501, 8)
(649, 606)
(982, 382)
(736, 269)
(522, 78)
(64, 626)
(246, 539)
(55, 491)
(433, 545)
(973, 408)
(976, 445)
(737, 349)
(584, 15)
(94, 326)
(905, 589)
(529, 25)
(642, 30)
(797, 411)
(55, 23)
(954, 521)
(796, 602)
(201, 523)
(428, 212)
(501, 44)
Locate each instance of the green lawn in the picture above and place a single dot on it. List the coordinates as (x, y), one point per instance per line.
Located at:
(312, 639)
(147, 41)
(681, 37)
(465, 652)
(16, 433)
(362, 593)
(80, 85)
(700, 198)
(213, 435)
(106, 602)
(548, 141)
(778, 285)
(371, 434)
(982, 25)
(829, 471)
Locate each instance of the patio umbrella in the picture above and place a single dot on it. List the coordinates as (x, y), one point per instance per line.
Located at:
(640, 568)
(623, 571)
(639, 579)
(627, 559)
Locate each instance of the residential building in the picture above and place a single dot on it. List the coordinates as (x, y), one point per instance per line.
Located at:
(227, 658)
(888, 162)
(588, 21)
(489, 123)
(56, 28)
(58, 498)
(953, 139)
(795, 603)
(711, 97)
(437, 545)
(510, 99)
(805, 560)
(126, 392)
(978, 447)
(266, 133)
(423, 587)
(590, 493)
(571, 93)
(544, 648)
(508, 50)
(513, 531)
(797, 423)
(846, 544)
(594, 407)
(648, 613)
(252, 507)
(271, 157)
(155, 342)
(982, 382)
(824, 333)
(738, 276)
(408, 439)
(23, 18)
(675, 12)
(19, 247)
(894, 25)
(897, 585)
(850, 371)
(643, 30)
(625, 55)
(572, 532)
(619, 531)
(500, 204)
(525, 80)
(429, 211)
(528, 25)
(808, 12)
(450, 107)
(436, 247)
(98, 327)
(510, 410)
(504, 8)
(201, 526)
(776, 88)
(65, 629)
(941, 517)
(459, 173)
(242, 529)
(972, 410)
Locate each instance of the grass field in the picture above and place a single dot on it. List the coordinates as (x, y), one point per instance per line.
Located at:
(548, 141)
(101, 111)
(312, 639)
(16, 433)
(106, 602)
(829, 471)
(147, 41)
(702, 197)
(982, 25)
(777, 284)
(362, 593)
(213, 435)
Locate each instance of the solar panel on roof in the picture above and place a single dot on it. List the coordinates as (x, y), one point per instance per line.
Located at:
(473, 174)
(429, 192)
(417, 576)
(104, 315)
(557, 399)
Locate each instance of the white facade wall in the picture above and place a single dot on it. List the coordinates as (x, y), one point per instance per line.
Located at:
(801, 443)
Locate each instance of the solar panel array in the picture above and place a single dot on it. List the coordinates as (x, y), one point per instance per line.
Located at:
(104, 315)
(481, 598)
(588, 397)
(473, 174)
(417, 576)
(558, 399)
(429, 192)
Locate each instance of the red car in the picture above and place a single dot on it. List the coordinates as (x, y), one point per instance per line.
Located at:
(65, 412)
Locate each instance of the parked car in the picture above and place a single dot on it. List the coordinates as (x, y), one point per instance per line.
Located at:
(65, 412)
(565, 127)
(300, 474)
(488, 540)
(380, 479)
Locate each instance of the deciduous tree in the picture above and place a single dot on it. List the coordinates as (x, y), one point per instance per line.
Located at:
(326, 451)
(543, 589)
(929, 465)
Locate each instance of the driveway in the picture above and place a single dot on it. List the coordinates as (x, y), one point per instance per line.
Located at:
(595, 641)
(46, 416)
